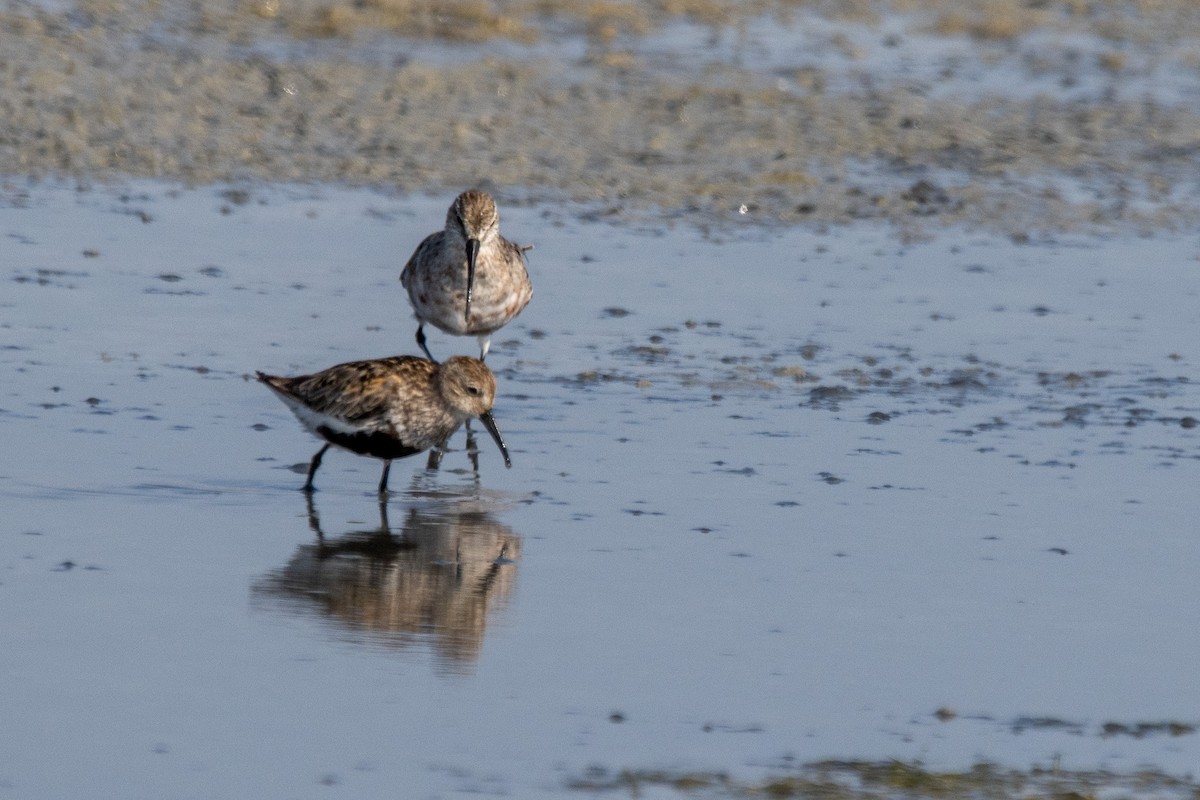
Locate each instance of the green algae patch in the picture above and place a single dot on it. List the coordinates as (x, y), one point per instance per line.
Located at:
(875, 780)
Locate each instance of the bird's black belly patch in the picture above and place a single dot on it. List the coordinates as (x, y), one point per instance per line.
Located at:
(377, 445)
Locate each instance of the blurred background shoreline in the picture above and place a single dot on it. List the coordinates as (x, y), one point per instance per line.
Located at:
(1025, 118)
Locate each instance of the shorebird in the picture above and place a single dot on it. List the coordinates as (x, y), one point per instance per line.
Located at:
(467, 280)
(389, 407)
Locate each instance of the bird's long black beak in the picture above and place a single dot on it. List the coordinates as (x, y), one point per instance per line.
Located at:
(472, 257)
(490, 424)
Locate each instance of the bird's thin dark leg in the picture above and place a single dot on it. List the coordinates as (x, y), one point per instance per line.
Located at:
(421, 342)
(435, 455)
(472, 448)
(312, 469)
(387, 467)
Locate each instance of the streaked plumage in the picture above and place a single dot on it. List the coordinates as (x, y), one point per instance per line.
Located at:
(389, 408)
(467, 280)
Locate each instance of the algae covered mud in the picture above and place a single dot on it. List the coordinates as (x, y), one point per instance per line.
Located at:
(848, 459)
(1024, 117)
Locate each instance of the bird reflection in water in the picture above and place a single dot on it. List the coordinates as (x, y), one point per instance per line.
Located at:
(435, 583)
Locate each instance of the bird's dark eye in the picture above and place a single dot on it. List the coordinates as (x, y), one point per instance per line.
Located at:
(473, 390)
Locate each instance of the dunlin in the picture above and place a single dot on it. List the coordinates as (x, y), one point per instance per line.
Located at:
(390, 407)
(467, 280)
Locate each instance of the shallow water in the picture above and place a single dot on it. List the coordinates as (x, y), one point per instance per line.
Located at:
(777, 496)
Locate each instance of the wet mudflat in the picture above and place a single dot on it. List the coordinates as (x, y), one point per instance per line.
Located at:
(778, 497)
(1022, 118)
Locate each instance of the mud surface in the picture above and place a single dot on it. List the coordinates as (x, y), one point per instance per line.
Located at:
(849, 460)
(1029, 119)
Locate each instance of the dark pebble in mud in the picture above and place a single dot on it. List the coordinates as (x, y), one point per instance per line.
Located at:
(828, 396)
(1143, 729)
(878, 417)
(1021, 724)
(966, 379)
(927, 198)
(616, 313)
(1187, 422)
(830, 478)
(1059, 550)
(239, 197)
(259, 426)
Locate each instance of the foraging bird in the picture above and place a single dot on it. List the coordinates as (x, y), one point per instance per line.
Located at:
(389, 408)
(467, 280)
